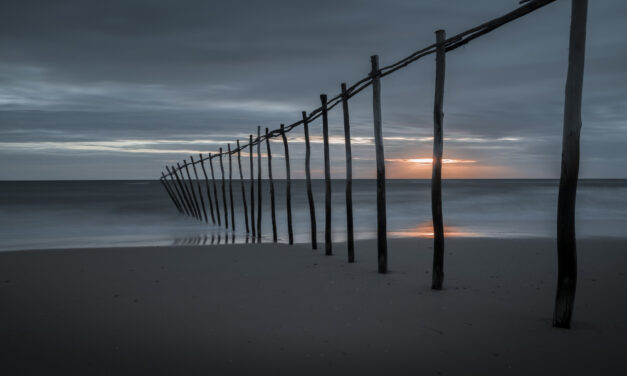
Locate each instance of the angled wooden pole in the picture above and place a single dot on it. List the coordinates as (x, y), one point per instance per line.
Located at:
(193, 190)
(310, 198)
(187, 206)
(382, 242)
(226, 212)
(241, 181)
(171, 188)
(215, 190)
(204, 171)
(288, 187)
(188, 188)
(437, 277)
(231, 187)
(350, 241)
(328, 247)
(252, 187)
(259, 182)
(272, 202)
(167, 189)
(566, 239)
(202, 200)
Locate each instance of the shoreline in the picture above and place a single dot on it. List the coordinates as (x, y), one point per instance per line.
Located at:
(279, 309)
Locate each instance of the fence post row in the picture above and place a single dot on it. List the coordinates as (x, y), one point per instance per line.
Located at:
(167, 188)
(178, 192)
(310, 198)
(173, 175)
(272, 203)
(288, 187)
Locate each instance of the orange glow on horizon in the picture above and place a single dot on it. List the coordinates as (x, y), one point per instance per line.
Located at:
(425, 230)
(453, 168)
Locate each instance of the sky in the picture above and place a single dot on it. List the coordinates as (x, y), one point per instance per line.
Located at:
(118, 89)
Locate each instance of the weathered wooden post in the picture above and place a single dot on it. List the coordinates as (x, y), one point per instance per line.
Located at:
(177, 201)
(204, 171)
(215, 189)
(382, 242)
(226, 212)
(272, 203)
(252, 187)
(566, 239)
(191, 187)
(310, 198)
(202, 200)
(437, 277)
(188, 185)
(259, 207)
(187, 206)
(167, 189)
(288, 187)
(328, 248)
(241, 181)
(350, 242)
(231, 188)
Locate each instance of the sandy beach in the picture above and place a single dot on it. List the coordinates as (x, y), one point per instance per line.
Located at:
(278, 309)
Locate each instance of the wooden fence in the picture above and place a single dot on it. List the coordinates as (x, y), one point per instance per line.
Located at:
(187, 195)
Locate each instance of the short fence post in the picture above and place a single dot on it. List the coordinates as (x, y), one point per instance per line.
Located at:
(350, 243)
(310, 198)
(202, 200)
(252, 187)
(215, 189)
(259, 182)
(226, 211)
(566, 239)
(204, 171)
(272, 203)
(328, 247)
(288, 187)
(436, 175)
(241, 180)
(382, 243)
(231, 188)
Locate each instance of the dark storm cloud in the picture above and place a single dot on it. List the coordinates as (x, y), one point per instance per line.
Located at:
(86, 84)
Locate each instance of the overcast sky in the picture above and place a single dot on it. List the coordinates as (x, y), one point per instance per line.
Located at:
(117, 89)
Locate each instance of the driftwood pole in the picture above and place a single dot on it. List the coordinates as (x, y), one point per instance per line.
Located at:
(202, 200)
(258, 182)
(310, 198)
(191, 187)
(231, 187)
(187, 186)
(226, 212)
(566, 239)
(328, 248)
(252, 187)
(204, 172)
(241, 181)
(436, 174)
(272, 203)
(382, 242)
(350, 242)
(215, 190)
(167, 189)
(288, 187)
(188, 207)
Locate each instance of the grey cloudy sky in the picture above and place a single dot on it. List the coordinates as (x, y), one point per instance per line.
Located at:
(117, 89)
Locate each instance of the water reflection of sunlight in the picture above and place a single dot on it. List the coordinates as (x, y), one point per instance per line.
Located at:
(425, 230)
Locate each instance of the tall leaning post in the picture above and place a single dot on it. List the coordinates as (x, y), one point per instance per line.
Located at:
(190, 189)
(204, 172)
(350, 242)
(328, 247)
(167, 189)
(382, 241)
(437, 277)
(288, 186)
(241, 180)
(231, 187)
(271, 182)
(310, 198)
(224, 202)
(172, 193)
(252, 186)
(202, 200)
(172, 173)
(215, 189)
(191, 186)
(259, 182)
(566, 239)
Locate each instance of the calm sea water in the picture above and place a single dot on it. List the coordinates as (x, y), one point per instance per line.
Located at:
(36, 215)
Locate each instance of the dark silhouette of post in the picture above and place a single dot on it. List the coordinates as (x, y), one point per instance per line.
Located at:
(224, 203)
(310, 198)
(172, 189)
(437, 277)
(382, 242)
(215, 190)
(189, 188)
(241, 181)
(188, 207)
(231, 188)
(252, 187)
(288, 186)
(350, 242)
(258, 182)
(271, 181)
(328, 247)
(202, 200)
(167, 189)
(566, 239)
(204, 172)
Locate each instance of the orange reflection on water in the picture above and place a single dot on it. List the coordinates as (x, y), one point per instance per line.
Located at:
(425, 230)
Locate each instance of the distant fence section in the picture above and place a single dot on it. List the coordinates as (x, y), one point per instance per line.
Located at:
(188, 196)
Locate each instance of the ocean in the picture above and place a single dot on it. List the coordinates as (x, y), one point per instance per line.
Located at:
(71, 214)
